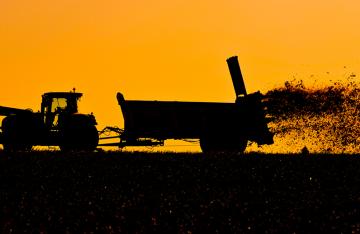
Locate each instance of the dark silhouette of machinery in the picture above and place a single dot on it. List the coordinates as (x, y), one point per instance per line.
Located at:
(57, 124)
(219, 126)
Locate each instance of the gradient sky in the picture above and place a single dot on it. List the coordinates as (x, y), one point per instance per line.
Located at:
(169, 50)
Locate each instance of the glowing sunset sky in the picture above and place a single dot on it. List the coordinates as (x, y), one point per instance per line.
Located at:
(169, 50)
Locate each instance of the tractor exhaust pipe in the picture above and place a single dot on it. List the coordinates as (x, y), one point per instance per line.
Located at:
(236, 76)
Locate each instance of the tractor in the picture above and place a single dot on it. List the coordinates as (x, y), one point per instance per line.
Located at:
(57, 124)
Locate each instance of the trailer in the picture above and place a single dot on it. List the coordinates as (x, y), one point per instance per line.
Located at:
(218, 126)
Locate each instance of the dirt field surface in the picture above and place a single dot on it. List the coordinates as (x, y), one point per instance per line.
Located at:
(52, 192)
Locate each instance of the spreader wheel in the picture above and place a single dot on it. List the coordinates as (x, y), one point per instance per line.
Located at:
(214, 144)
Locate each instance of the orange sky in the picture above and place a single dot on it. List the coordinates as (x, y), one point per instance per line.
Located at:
(169, 50)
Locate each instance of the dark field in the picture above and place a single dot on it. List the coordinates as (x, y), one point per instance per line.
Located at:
(179, 193)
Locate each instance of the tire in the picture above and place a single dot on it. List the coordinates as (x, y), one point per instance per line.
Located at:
(16, 134)
(17, 147)
(216, 144)
(79, 138)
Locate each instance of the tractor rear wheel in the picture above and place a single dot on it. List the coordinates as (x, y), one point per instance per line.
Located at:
(79, 138)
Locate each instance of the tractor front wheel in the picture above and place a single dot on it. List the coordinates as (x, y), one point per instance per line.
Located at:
(16, 147)
(17, 134)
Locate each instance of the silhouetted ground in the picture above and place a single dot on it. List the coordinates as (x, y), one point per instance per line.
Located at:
(179, 193)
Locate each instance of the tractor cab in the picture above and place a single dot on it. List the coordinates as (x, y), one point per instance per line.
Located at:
(55, 104)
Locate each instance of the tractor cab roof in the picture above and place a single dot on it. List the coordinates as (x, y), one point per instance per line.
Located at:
(62, 95)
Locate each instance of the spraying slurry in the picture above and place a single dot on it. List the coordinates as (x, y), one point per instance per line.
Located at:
(322, 119)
